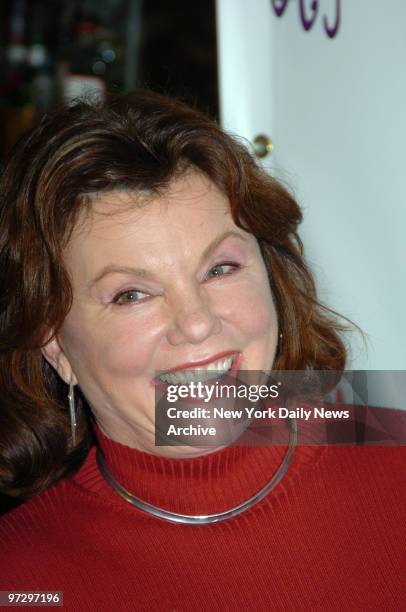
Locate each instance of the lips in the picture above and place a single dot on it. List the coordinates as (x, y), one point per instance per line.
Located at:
(193, 365)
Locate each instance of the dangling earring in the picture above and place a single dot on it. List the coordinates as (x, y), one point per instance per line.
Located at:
(72, 411)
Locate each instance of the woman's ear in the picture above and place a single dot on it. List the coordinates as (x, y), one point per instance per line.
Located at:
(55, 356)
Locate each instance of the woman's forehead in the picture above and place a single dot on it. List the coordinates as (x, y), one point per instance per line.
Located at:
(177, 230)
(189, 199)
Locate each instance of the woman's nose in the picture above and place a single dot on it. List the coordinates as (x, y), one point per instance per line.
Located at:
(194, 319)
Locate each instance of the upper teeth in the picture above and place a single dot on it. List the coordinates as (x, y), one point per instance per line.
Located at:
(215, 369)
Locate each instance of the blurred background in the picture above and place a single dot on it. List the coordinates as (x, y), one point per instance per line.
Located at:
(52, 50)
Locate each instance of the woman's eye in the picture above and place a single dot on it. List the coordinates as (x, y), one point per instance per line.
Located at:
(129, 297)
(222, 270)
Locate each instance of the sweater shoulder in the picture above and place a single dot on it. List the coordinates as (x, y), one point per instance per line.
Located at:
(373, 474)
(52, 507)
(367, 458)
(27, 536)
(33, 518)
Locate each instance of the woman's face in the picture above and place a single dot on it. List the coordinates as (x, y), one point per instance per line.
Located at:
(159, 284)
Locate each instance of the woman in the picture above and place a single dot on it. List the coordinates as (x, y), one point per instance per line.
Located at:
(139, 242)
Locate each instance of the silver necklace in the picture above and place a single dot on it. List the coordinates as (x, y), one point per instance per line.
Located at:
(204, 519)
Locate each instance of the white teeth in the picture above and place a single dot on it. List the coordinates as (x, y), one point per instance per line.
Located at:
(199, 374)
(189, 376)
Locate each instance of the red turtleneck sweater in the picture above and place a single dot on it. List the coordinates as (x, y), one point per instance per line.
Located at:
(331, 535)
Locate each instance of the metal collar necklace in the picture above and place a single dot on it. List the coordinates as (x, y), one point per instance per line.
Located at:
(174, 517)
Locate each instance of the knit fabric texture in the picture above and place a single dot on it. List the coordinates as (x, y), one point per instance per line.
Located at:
(331, 535)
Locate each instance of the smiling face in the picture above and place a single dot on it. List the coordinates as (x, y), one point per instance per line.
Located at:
(159, 284)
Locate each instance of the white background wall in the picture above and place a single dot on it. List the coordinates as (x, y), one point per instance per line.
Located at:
(336, 111)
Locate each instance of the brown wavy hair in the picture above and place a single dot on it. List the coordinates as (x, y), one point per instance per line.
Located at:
(140, 142)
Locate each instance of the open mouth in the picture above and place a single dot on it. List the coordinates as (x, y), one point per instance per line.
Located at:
(200, 373)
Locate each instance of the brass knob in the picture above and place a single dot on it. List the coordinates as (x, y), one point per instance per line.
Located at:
(263, 145)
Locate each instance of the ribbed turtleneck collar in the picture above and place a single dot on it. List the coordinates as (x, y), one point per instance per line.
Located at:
(201, 485)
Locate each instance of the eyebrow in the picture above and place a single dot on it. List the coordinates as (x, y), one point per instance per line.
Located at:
(116, 269)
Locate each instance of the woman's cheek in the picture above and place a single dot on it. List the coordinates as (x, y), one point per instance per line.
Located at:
(129, 345)
(126, 353)
(253, 310)
(260, 319)
(117, 348)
